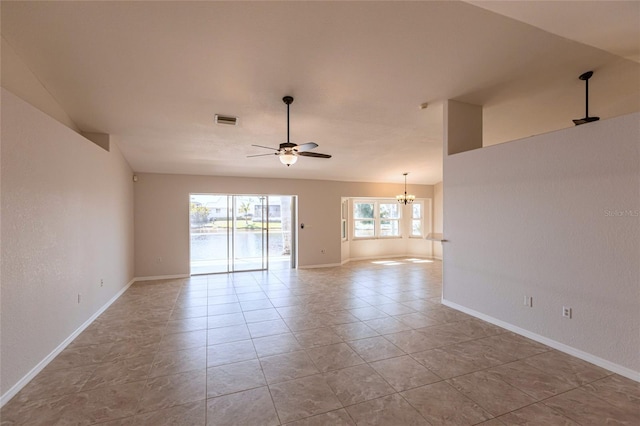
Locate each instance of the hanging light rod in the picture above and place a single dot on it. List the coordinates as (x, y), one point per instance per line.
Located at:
(405, 199)
(585, 77)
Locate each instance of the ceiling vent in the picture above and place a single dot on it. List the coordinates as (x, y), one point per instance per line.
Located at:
(226, 120)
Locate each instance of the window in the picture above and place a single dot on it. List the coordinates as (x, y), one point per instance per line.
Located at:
(389, 219)
(343, 224)
(363, 220)
(416, 219)
(376, 219)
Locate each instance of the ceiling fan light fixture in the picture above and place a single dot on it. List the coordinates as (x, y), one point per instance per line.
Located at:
(288, 158)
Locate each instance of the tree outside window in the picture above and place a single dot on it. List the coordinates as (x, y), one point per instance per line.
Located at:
(363, 220)
(199, 214)
(376, 219)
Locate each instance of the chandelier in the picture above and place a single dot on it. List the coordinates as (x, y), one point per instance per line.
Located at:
(404, 198)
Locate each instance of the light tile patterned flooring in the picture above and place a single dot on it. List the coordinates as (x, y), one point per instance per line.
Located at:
(366, 343)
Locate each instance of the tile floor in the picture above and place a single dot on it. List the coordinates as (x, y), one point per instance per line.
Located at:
(367, 343)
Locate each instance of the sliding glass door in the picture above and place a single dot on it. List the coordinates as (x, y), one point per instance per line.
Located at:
(209, 218)
(250, 233)
(282, 236)
(233, 233)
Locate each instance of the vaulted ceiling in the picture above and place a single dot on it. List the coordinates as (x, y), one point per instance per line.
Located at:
(154, 74)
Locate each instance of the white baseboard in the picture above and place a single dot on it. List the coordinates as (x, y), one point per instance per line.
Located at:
(600, 362)
(397, 256)
(356, 259)
(162, 277)
(42, 364)
(326, 265)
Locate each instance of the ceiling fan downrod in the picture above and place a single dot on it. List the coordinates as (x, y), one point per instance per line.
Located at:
(288, 100)
(585, 77)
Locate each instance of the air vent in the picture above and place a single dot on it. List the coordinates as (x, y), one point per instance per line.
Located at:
(226, 120)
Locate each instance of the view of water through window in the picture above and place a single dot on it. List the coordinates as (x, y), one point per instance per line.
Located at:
(240, 232)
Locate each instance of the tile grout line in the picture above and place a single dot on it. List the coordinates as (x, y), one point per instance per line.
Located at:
(339, 308)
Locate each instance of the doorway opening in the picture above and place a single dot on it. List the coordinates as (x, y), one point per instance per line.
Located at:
(233, 233)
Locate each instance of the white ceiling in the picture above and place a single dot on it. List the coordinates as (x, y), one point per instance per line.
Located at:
(609, 25)
(153, 74)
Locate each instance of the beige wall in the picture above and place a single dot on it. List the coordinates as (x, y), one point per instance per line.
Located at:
(437, 218)
(162, 217)
(554, 217)
(67, 223)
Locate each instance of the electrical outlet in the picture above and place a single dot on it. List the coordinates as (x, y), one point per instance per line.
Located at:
(323, 251)
(528, 301)
(101, 282)
(566, 312)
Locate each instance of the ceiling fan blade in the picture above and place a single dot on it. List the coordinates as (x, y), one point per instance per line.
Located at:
(306, 146)
(262, 155)
(267, 147)
(313, 154)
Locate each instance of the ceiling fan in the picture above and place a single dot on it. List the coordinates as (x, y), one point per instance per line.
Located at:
(289, 152)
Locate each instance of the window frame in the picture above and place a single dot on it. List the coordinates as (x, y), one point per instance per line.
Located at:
(344, 221)
(356, 219)
(377, 220)
(421, 218)
(397, 219)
